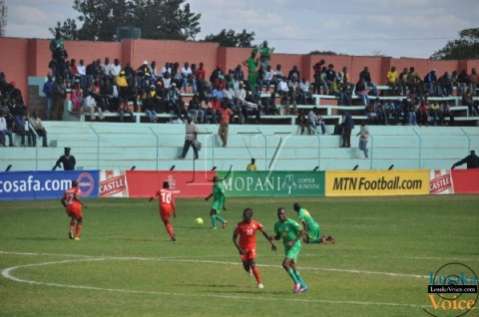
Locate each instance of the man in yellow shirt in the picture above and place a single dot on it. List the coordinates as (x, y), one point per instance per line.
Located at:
(251, 166)
(392, 77)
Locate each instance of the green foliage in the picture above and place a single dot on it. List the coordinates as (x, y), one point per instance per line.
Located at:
(229, 38)
(157, 19)
(316, 52)
(466, 47)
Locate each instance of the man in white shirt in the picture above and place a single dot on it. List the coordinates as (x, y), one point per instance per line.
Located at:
(115, 68)
(186, 74)
(90, 106)
(191, 133)
(4, 131)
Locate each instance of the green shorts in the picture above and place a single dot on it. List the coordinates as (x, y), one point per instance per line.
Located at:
(314, 234)
(292, 253)
(218, 205)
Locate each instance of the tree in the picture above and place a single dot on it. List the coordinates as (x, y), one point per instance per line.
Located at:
(322, 53)
(466, 47)
(229, 38)
(157, 19)
(68, 29)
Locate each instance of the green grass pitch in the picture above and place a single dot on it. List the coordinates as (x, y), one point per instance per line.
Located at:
(125, 266)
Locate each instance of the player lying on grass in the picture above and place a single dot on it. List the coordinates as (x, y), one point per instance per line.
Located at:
(73, 207)
(311, 227)
(218, 194)
(167, 208)
(244, 238)
(291, 233)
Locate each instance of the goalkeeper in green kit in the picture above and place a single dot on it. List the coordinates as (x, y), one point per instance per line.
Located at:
(291, 233)
(311, 227)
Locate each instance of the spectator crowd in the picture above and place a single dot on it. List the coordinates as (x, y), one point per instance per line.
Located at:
(243, 94)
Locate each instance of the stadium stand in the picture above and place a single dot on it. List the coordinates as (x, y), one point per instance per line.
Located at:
(275, 147)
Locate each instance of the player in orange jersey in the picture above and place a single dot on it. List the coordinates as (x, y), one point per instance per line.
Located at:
(166, 199)
(73, 207)
(244, 238)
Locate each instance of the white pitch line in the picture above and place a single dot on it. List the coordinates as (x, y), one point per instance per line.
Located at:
(190, 260)
(8, 274)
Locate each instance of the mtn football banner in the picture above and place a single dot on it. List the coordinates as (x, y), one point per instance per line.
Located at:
(377, 183)
(440, 182)
(273, 184)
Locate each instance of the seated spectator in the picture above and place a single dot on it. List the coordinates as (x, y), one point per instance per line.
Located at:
(434, 111)
(90, 106)
(37, 128)
(468, 100)
(474, 80)
(76, 98)
(445, 85)
(302, 122)
(422, 112)
(430, 80)
(151, 104)
(362, 91)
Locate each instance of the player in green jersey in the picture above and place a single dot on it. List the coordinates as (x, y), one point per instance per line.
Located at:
(218, 194)
(291, 233)
(311, 227)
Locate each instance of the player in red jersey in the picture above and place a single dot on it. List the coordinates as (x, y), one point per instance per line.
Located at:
(73, 207)
(244, 238)
(167, 207)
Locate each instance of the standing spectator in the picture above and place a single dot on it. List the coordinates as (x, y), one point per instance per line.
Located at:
(252, 65)
(115, 69)
(48, 92)
(4, 131)
(392, 79)
(81, 70)
(347, 127)
(76, 97)
(472, 161)
(431, 83)
(186, 77)
(302, 122)
(37, 126)
(251, 167)
(313, 121)
(474, 79)
(225, 117)
(59, 94)
(423, 112)
(68, 161)
(191, 134)
(363, 139)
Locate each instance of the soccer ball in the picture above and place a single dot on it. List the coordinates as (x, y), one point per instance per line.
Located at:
(199, 221)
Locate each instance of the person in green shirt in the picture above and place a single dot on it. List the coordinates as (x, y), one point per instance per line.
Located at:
(311, 227)
(291, 233)
(218, 194)
(252, 65)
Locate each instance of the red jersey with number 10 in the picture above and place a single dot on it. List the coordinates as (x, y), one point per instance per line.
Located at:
(247, 233)
(166, 198)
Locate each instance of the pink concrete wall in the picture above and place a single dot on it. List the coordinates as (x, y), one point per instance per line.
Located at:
(20, 58)
(174, 51)
(14, 61)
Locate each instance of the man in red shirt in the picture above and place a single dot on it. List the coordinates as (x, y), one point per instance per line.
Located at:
(225, 117)
(244, 238)
(167, 207)
(73, 207)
